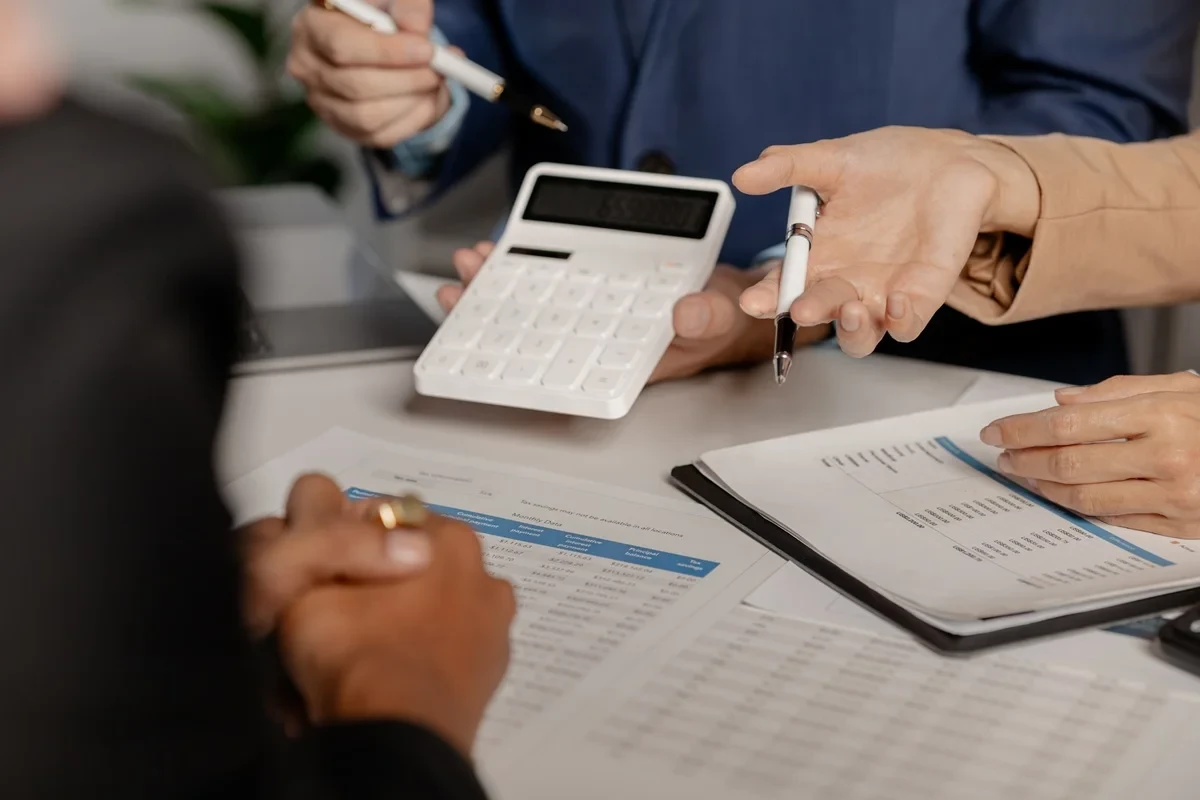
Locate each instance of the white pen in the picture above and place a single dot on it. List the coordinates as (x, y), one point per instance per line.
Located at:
(793, 276)
(474, 78)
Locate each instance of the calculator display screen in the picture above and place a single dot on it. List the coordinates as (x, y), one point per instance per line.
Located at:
(658, 210)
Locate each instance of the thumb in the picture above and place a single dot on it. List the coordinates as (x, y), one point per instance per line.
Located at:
(1123, 386)
(345, 551)
(705, 315)
(815, 165)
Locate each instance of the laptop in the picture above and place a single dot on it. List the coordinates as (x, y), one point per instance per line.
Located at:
(314, 295)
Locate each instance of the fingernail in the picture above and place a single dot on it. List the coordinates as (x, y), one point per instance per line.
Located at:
(1072, 391)
(897, 305)
(408, 549)
(693, 319)
(851, 323)
(1004, 462)
(991, 435)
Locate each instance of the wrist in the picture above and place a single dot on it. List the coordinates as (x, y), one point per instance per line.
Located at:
(374, 691)
(1016, 201)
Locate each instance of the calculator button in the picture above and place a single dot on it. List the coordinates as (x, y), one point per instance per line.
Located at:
(603, 382)
(665, 283)
(532, 290)
(619, 356)
(458, 334)
(585, 275)
(493, 284)
(614, 301)
(516, 315)
(521, 370)
(538, 345)
(566, 370)
(442, 362)
(556, 320)
(626, 280)
(508, 266)
(635, 330)
(541, 269)
(676, 268)
(653, 305)
(498, 340)
(479, 309)
(596, 326)
(482, 366)
(572, 295)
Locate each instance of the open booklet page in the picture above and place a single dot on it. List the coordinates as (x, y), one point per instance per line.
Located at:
(914, 506)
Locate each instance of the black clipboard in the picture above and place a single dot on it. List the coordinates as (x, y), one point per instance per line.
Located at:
(692, 482)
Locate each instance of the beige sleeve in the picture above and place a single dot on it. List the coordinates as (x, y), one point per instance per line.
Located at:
(1119, 227)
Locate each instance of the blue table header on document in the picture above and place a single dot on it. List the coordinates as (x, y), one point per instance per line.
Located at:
(565, 540)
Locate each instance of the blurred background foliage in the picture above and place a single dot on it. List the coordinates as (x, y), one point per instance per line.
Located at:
(266, 140)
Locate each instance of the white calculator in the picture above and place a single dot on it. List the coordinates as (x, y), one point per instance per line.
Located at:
(573, 310)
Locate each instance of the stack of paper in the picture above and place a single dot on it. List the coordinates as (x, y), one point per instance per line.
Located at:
(910, 516)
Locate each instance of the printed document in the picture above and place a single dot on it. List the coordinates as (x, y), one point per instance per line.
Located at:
(915, 507)
(637, 672)
(600, 573)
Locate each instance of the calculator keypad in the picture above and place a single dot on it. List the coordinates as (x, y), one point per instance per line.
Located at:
(564, 326)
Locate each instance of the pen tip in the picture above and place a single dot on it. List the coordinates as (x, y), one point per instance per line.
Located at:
(783, 362)
(544, 116)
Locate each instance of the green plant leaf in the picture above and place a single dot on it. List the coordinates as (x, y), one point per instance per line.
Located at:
(251, 26)
(271, 138)
(200, 100)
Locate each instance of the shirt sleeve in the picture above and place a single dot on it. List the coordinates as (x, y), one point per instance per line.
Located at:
(403, 174)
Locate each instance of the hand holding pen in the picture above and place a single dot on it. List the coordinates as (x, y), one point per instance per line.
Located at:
(378, 79)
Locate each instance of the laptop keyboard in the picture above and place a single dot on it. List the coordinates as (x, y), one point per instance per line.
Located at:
(251, 341)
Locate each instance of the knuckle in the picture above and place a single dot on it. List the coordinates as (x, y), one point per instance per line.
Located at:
(1176, 461)
(1064, 464)
(1084, 499)
(1064, 425)
(362, 118)
(1187, 495)
(296, 70)
(340, 48)
(308, 482)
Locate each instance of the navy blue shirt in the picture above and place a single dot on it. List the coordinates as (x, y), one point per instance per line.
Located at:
(699, 87)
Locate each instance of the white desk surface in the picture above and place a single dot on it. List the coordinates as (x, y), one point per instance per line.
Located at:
(671, 424)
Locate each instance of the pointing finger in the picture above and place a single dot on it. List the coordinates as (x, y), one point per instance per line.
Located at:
(816, 165)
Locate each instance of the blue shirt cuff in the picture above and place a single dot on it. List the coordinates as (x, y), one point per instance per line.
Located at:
(770, 254)
(417, 156)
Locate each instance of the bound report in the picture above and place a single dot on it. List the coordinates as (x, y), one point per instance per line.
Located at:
(910, 517)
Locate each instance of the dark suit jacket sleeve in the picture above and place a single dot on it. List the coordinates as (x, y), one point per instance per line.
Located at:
(476, 27)
(1104, 68)
(126, 671)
